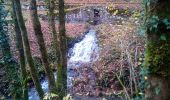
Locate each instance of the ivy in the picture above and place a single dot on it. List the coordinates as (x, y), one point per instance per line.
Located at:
(163, 37)
(8, 62)
(152, 24)
(167, 23)
(157, 90)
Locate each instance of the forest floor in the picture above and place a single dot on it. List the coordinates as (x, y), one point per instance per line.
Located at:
(74, 31)
(121, 50)
(113, 75)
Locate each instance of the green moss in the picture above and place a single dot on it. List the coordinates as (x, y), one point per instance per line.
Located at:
(61, 81)
(157, 57)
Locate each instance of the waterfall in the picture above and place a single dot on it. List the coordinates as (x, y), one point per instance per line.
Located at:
(85, 51)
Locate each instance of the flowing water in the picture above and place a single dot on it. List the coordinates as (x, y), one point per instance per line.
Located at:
(85, 51)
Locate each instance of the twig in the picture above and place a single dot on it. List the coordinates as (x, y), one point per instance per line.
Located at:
(123, 87)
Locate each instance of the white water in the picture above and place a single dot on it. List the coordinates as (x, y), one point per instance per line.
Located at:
(33, 95)
(85, 51)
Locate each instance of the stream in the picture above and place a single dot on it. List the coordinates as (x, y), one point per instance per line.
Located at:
(83, 52)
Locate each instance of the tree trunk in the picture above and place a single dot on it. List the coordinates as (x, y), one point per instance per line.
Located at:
(157, 58)
(27, 52)
(40, 39)
(56, 39)
(60, 46)
(11, 66)
(21, 54)
(62, 67)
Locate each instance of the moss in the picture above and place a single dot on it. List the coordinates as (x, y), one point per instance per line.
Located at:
(157, 57)
(61, 81)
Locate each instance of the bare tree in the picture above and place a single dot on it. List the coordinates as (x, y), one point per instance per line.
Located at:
(21, 54)
(40, 39)
(62, 66)
(56, 39)
(26, 45)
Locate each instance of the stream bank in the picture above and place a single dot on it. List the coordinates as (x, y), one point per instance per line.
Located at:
(96, 79)
(83, 52)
